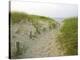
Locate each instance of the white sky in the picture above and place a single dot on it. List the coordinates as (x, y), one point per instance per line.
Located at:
(45, 9)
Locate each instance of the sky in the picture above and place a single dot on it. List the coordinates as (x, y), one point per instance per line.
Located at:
(52, 10)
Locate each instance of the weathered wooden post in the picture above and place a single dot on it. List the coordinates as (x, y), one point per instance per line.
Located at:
(30, 35)
(18, 52)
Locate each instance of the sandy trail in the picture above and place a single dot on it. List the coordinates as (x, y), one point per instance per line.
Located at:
(46, 45)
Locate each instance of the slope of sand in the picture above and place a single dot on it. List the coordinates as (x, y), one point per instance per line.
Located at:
(43, 45)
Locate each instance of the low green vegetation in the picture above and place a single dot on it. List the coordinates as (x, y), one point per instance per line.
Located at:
(69, 36)
(17, 17)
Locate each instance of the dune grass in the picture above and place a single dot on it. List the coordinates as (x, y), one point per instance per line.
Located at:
(18, 16)
(69, 37)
